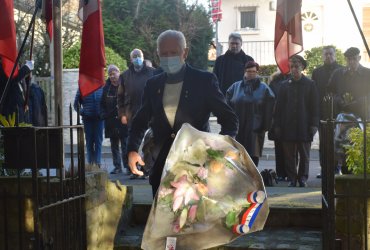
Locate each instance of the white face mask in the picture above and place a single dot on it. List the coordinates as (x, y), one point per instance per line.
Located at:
(172, 64)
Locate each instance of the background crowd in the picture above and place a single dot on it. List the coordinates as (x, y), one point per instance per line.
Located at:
(288, 107)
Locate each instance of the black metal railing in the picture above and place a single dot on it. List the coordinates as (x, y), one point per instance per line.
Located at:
(344, 202)
(46, 208)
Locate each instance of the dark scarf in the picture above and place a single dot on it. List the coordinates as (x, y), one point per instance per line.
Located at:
(176, 77)
(251, 85)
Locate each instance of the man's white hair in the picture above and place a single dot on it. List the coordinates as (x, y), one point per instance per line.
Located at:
(137, 50)
(173, 34)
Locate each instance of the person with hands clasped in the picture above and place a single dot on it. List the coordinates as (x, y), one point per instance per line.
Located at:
(114, 129)
(296, 120)
(253, 102)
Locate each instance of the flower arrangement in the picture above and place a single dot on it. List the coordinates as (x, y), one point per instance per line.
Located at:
(194, 189)
(209, 189)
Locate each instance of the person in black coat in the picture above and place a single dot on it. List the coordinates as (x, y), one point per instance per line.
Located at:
(321, 76)
(114, 129)
(229, 68)
(296, 120)
(276, 81)
(180, 94)
(37, 106)
(15, 99)
(350, 86)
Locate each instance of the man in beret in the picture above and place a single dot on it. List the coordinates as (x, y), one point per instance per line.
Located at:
(296, 120)
(350, 86)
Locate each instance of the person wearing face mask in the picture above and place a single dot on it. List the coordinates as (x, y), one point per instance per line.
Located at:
(131, 89)
(296, 120)
(229, 68)
(252, 101)
(180, 94)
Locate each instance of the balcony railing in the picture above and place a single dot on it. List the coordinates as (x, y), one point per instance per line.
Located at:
(261, 51)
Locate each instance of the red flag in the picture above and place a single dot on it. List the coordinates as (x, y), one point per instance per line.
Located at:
(8, 47)
(288, 32)
(216, 12)
(92, 54)
(48, 14)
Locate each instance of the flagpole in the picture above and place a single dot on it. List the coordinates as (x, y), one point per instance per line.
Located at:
(20, 52)
(359, 28)
(58, 62)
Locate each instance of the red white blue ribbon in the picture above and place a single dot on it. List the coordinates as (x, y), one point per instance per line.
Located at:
(256, 199)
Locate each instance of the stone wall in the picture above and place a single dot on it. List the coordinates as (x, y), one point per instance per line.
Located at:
(104, 203)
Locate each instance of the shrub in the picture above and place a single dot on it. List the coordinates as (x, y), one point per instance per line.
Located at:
(267, 70)
(355, 150)
(314, 58)
(71, 58)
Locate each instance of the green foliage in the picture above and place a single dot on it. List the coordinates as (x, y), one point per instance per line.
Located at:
(130, 24)
(314, 58)
(355, 151)
(72, 58)
(114, 58)
(267, 70)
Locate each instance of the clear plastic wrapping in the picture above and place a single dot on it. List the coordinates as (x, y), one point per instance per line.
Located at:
(210, 193)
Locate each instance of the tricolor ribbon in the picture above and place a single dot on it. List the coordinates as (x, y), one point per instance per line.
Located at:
(256, 198)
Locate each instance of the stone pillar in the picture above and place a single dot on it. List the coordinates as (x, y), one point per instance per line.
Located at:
(350, 211)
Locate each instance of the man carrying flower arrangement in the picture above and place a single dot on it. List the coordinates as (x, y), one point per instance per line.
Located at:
(180, 94)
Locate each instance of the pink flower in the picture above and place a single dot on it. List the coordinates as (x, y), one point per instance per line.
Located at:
(164, 192)
(177, 203)
(185, 192)
(190, 195)
(202, 173)
(176, 226)
(192, 213)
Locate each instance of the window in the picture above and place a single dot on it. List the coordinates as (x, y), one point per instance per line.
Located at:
(248, 19)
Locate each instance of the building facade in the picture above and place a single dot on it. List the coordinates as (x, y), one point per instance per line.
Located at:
(324, 22)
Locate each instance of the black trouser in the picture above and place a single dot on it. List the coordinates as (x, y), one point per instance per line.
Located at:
(156, 173)
(279, 159)
(290, 153)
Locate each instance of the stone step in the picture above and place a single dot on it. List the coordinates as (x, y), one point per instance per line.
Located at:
(269, 238)
(289, 227)
(278, 216)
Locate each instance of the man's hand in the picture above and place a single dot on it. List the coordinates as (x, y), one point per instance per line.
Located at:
(124, 119)
(133, 159)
